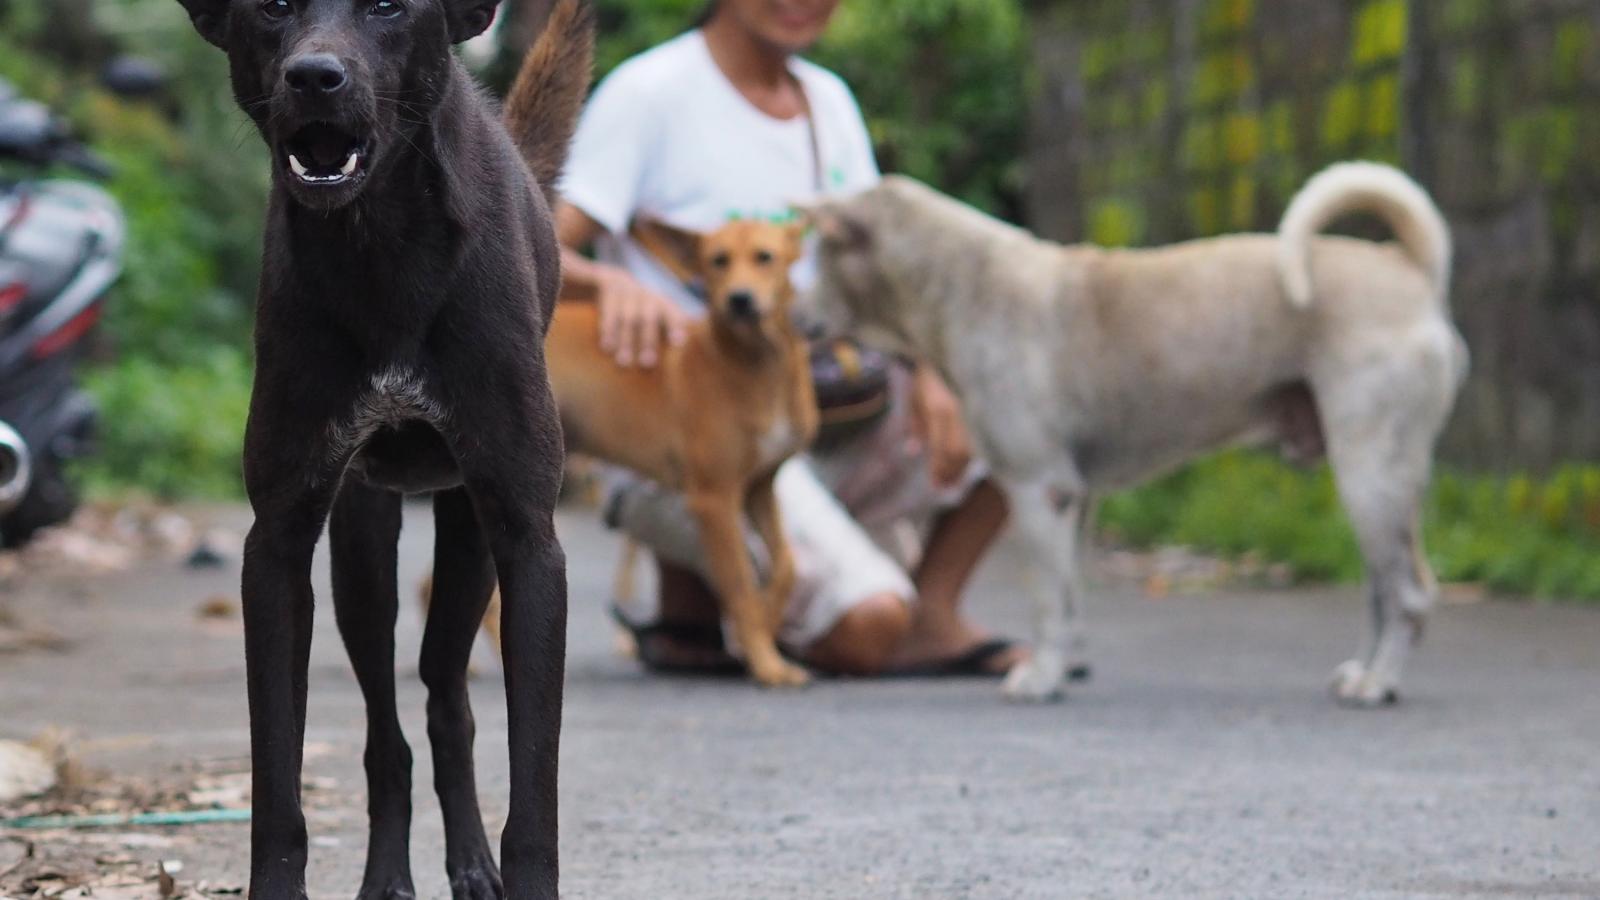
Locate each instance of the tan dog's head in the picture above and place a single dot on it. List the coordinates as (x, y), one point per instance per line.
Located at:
(880, 253)
(853, 294)
(744, 268)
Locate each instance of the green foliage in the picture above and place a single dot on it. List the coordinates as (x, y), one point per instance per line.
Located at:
(1516, 536)
(170, 430)
(628, 27)
(177, 325)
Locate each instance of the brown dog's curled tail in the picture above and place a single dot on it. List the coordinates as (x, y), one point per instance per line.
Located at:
(542, 110)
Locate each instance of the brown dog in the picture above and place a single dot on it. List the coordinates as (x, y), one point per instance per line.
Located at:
(714, 420)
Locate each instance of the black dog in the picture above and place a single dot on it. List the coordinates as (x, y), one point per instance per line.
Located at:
(410, 270)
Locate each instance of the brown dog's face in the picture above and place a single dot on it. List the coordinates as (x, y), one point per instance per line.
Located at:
(746, 270)
(744, 267)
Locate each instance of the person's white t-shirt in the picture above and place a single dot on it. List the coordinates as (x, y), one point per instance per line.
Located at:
(666, 135)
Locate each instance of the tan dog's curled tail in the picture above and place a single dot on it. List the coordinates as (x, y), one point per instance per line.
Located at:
(542, 109)
(1363, 187)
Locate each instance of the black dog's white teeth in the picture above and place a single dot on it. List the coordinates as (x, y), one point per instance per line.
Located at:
(345, 171)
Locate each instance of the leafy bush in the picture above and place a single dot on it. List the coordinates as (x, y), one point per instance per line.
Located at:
(177, 325)
(1517, 536)
(944, 85)
(174, 431)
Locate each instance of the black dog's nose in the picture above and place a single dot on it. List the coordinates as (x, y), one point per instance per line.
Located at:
(316, 73)
(742, 304)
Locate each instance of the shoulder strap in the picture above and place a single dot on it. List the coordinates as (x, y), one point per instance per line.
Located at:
(816, 144)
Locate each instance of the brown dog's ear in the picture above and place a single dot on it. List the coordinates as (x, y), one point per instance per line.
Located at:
(796, 231)
(676, 248)
(470, 18)
(210, 18)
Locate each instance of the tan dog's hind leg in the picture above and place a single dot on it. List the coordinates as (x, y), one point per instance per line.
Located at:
(1382, 423)
(733, 576)
(762, 505)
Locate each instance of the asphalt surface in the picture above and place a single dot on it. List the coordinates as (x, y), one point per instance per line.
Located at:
(1205, 759)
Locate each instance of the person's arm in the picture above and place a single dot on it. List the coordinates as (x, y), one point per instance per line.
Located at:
(634, 320)
(937, 413)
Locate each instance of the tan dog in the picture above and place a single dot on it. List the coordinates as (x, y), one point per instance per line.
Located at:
(714, 420)
(1086, 370)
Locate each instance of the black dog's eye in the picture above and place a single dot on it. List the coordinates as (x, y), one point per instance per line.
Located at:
(763, 257)
(386, 9)
(276, 9)
(721, 260)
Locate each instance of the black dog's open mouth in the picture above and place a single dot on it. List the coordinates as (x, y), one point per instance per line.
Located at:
(324, 155)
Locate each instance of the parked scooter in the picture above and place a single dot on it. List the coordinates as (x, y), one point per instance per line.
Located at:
(61, 245)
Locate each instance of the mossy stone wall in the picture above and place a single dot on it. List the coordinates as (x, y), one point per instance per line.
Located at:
(1162, 120)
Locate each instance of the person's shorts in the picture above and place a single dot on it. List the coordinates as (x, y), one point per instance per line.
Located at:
(853, 518)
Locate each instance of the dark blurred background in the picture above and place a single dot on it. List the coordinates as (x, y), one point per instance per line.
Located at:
(1125, 122)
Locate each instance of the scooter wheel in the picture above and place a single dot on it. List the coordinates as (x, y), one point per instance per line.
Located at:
(50, 501)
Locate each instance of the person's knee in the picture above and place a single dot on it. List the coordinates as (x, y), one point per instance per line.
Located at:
(864, 639)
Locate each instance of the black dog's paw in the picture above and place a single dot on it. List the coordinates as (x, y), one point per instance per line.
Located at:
(479, 882)
(394, 889)
(1080, 673)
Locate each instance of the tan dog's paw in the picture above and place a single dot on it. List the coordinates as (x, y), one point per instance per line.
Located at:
(781, 674)
(1354, 685)
(1035, 680)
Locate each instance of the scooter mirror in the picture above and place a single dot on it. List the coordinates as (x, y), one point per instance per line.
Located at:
(134, 77)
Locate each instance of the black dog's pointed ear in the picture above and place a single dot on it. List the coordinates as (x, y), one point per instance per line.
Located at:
(469, 18)
(210, 18)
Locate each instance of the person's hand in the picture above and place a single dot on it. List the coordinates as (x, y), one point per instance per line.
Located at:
(634, 320)
(937, 414)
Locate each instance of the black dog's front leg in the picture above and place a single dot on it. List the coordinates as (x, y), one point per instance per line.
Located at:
(291, 474)
(277, 621)
(463, 579)
(513, 469)
(533, 632)
(362, 536)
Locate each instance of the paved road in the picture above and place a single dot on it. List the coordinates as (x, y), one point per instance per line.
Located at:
(1203, 761)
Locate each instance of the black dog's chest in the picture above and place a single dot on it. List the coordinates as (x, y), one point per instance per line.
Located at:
(392, 436)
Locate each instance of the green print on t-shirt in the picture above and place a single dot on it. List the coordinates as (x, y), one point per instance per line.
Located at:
(776, 218)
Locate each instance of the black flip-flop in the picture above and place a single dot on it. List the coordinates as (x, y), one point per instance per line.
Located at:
(973, 663)
(705, 638)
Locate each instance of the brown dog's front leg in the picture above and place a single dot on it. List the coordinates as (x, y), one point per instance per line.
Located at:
(733, 577)
(762, 505)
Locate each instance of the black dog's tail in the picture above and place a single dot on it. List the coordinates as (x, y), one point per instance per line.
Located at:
(542, 109)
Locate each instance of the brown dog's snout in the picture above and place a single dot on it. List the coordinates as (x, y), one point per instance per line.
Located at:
(742, 305)
(316, 75)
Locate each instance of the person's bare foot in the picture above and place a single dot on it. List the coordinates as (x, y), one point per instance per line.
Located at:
(933, 640)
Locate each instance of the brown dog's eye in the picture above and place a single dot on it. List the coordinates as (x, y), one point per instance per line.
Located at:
(386, 9)
(764, 257)
(276, 9)
(721, 260)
